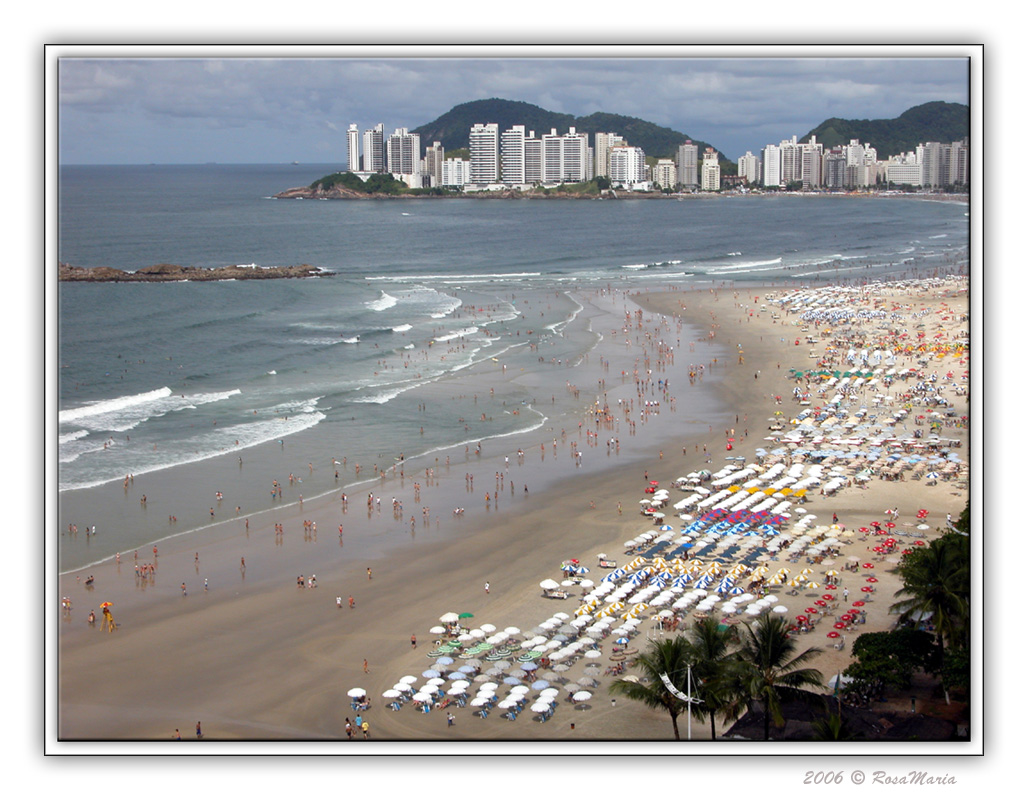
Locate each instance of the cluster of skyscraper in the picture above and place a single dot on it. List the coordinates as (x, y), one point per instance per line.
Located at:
(854, 165)
(517, 157)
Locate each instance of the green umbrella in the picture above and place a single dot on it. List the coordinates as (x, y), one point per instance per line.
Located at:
(465, 615)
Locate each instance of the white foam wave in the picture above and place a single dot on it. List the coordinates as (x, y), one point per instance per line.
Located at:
(382, 303)
(64, 438)
(456, 334)
(456, 277)
(125, 413)
(196, 448)
(402, 328)
(101, 407)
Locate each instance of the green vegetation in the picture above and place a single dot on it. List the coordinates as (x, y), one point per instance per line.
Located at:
(930, 122)
(452, 128)
(376, 184)
(728, 671)
(887, 660)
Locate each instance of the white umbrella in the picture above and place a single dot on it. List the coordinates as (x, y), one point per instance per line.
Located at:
(390, 693)
(456, 690)
(421, 697)
(489, 628)
(461, 684)
(449, 616)
(592, 654)
(437, 629)
(540, 708)
(402, 687)
(581, 697)
(512, 631)
(356, 692)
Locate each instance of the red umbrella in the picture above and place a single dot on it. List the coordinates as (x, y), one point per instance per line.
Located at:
(907, 552)
(846, 617)
(890, 524)
(801, 618)
(811, 610)
(831, 586)
(833, 634)
(858, 603)
(868, 565)
(867, 588)
(865, 530)
(919, 543)
(820, 603)
(840, 626)
(827, 597)
(872, 579)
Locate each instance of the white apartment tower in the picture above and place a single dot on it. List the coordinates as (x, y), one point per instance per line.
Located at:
(665, 173)
(811, 163)
(749, 168)
(512, 155)
(374, 149)
(456, 172)
(566, 157)
(627, 164)
(485, 152)
(688, 165)
(604, 141)
(710, 179)
(403, 154)
(353, 151)
(772, 158)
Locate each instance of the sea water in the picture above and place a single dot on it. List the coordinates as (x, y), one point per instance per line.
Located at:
(441, 323)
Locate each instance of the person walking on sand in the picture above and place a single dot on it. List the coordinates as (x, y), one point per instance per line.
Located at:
(487, 587)
(413, 641)
(369, 573)
(349, 729)
(199, 733)
(351, 601)
(365, 729)
(366, 670)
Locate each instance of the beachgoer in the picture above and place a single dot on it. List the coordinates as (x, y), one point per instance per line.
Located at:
(369, 573)
(199, 733)
(366, 665)
(351, 601)
(413, 641)
(365, 729)
(349, 729)
(177, 736)
(487, 587)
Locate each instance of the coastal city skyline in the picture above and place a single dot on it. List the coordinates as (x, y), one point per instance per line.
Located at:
(272, 110)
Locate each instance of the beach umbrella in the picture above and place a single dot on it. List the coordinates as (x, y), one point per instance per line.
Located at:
(449, 617)
(423, 697)
(437, 630)
(430, 673)
(356, 692)
(444, 660)
(408, 679)
(581, 697)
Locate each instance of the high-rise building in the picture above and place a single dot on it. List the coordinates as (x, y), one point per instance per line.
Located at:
(374, 149)
(403, 155)
(604, 141)
(835, 168)
(710, 178)
(566, 157)
(533, 160)
(749, 168)
(484, 141)
(353, 152)
(627, 164)
(434, 157)
(512, 155)
(811, 157)
(688, 165)
(792, 160)
(772, 165)
(665, 174)
(456, 172)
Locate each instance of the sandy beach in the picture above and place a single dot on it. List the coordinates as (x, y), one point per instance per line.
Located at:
(255, 657)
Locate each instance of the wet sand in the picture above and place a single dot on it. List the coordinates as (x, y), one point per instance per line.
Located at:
(256, 658)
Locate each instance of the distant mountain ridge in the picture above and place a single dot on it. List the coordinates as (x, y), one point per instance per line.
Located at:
(452, 128)
(930, 122)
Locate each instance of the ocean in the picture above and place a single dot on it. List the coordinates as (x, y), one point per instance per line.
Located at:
(443, 325)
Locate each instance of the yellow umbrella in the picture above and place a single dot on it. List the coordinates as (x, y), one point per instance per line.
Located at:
(813, 585)
(832, 573)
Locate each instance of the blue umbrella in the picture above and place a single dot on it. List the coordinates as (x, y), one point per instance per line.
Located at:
(529, 666)
(511, 680)
(540, 684)
(430, 673)
(455, 676)
(444, 660)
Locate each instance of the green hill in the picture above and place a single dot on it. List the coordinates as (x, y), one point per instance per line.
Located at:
(930, 122)
(451, 129)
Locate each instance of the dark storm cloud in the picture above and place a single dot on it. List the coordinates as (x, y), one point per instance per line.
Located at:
(275, 109)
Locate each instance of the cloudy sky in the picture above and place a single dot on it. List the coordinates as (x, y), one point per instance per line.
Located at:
(245, 106)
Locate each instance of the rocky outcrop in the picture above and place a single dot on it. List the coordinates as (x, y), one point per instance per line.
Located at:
(173, 272)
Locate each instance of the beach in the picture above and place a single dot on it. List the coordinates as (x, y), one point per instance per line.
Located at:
(255, 656)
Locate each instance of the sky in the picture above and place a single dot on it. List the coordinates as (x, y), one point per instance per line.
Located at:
(276, 105)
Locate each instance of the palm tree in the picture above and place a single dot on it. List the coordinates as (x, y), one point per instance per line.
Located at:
(709, 652)
(663, 657)
(765, 663)
(936, 583)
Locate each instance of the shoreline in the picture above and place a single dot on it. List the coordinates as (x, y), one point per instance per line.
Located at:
(513, 551)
